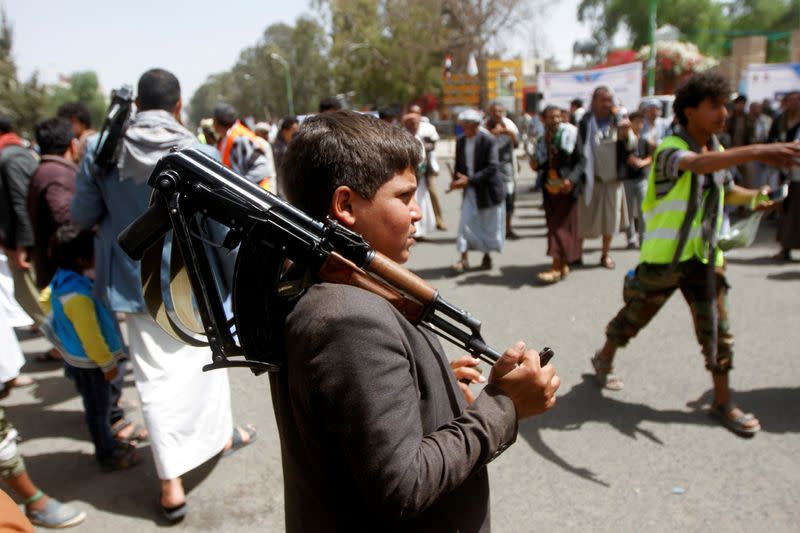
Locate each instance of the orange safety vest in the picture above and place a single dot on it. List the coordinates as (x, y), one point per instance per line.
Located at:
(226, 145)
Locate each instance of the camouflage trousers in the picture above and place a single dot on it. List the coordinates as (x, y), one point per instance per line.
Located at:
(11, 463)
(649, 288)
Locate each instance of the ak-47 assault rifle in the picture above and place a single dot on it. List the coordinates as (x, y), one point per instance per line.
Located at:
(190, 189)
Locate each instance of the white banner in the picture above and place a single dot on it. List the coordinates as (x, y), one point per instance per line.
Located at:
(771, 81)
(625, 82)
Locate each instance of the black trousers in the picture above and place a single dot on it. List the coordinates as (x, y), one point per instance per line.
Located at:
(100, 399)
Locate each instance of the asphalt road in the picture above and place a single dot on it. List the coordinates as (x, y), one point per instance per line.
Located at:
(648, 458)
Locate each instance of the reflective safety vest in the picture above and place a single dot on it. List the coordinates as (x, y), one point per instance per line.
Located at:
(226, 146)
(664, 217)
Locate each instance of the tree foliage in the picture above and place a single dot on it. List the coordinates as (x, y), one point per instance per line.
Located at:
(256, 85)
(368, 52)
(710, 24)
(82, 87)
(22, 101)
(776, 18)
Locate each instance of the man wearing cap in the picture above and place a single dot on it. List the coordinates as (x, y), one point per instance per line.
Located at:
(482, 225)
(654, 127)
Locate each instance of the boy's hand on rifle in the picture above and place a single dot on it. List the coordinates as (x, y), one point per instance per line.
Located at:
(466, 372)
(519, 376)
(111, 373)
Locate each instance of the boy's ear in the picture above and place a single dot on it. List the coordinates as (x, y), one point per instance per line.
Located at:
(342, 206)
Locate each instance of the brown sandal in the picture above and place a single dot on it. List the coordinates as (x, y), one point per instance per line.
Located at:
(603, 373)
(459, 267)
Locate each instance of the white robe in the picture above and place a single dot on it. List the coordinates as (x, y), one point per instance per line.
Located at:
(427, 224)
(187, 411)
(14, 313)
(11, 358)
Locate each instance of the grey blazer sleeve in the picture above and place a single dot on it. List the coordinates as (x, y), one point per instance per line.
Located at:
(359, 377)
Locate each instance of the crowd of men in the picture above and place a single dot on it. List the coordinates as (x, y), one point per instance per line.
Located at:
(62, 214)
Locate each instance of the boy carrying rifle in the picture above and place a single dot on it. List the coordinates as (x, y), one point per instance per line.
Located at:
(375, 434)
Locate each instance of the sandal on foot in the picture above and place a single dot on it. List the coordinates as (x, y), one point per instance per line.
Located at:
(550, 277)
(21, 381)
(740, 424)
(604, 375)
(123, 457)
(137, 434)
(607, 262)
(237, 442)
(459, 267)
(486, 263)
(56, 515)
(174, 514)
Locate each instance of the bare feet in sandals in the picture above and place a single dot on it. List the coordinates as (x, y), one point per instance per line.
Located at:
(736, 420)
(603, 373)
(242, 436)
(126, 431)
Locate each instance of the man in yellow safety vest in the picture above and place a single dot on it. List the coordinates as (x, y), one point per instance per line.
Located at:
(689, 184)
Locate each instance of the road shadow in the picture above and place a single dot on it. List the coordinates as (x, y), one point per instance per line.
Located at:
(27, 333)
(133, 492)
(436, 240)
(585, 403)
(765, 260)
(514, 276)
(34, 422)
(778, 409)
(529, 226)
(433, 273)
(792, 275)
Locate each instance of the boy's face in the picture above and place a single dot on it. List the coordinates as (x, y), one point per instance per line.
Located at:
(636, 125)
(709, 116)
(387, 220)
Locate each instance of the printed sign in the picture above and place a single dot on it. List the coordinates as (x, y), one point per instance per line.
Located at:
(625, 82)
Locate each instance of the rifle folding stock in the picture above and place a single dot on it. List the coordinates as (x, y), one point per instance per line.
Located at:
(190, 188)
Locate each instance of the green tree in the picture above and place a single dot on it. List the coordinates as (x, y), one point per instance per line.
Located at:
(773, 18)
(388, 51)
(23, 102)
(691, 17)
(256, 84)
(83, 87)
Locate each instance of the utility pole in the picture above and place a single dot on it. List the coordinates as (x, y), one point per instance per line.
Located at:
(282, 61)
(651, 61)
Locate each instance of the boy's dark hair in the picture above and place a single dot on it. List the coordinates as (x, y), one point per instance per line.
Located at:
(698, 88)
(75, 111)
(577, 102)
(741, 98)
(288, 122)
(70, 244)
(158, 89)
(329, 103)
(344, 148)
(54, 135)
(225, 114)
(6, 126)
(636, 115)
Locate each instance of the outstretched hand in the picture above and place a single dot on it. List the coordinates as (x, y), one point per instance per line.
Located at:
(782, 155)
